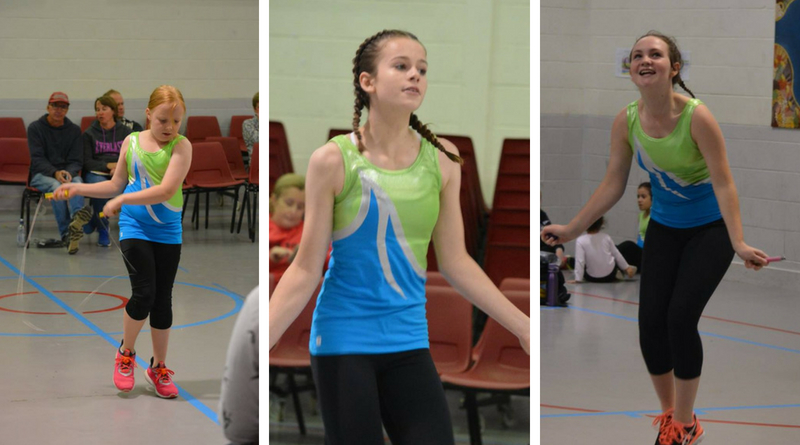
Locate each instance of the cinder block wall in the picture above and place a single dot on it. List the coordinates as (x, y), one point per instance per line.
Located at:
(479, 69)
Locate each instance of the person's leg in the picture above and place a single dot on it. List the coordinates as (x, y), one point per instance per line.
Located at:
(660, 263)
(47, 184)
(631, 252)
(347, 395)
(76, 202)
(705, 260)
(413, 406)
(97, 205)
(141, 266)
(168, 257)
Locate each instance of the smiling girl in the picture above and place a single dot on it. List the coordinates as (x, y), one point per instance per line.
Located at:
(380, 192)
(695, 226)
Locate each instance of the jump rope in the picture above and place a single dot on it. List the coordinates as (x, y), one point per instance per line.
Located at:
(49, 196)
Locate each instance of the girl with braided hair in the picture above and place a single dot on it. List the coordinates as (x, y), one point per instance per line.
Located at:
(380, 193)
(695, 226)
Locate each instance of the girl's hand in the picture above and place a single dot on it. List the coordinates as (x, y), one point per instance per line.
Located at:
(556, 234)
(112, 207)
(64, 191)
(630, 271)
(753, 258)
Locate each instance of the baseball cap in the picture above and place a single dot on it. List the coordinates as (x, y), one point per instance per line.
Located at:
(58, 96)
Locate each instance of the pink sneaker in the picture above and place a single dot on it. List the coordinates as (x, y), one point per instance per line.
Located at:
(160, 378)
(123, 370)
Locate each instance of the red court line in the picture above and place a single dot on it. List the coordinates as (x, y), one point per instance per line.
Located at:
(703, 316)
(729, 422)
(571, 409)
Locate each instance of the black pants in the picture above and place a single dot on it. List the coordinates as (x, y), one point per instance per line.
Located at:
(403, 390)
(152, 268)
(632, 253)
(681, 268)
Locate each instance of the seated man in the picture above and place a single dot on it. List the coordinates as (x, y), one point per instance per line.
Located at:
(56, 158)
(117, 96)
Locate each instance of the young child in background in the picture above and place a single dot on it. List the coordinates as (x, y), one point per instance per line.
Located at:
(286, 211)
(596, 257)
(630, 250)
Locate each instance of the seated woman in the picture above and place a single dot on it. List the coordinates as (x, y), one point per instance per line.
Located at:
(597, 259)
(630, 250)
(101, 146)
(286, 211)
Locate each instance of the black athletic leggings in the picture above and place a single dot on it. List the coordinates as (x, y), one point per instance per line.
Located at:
(681, 268)
(152, 268)
(403, 389)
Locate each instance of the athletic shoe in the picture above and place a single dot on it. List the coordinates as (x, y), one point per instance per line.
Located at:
(661, 422)
(102, 238)
(81, 217)
(123, 370)
(160, 378)
(677, 433)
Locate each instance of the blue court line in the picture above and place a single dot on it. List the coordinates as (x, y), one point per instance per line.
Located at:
(228, 291)
(639, 414)
(183, 393)
(183, 269)
(707, 334)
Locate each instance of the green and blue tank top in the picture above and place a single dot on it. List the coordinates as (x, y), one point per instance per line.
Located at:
(682, 192)
(372, 300)
(161, 222)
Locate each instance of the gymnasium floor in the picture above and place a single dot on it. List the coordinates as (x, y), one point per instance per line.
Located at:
(595, 387)
(57, 342)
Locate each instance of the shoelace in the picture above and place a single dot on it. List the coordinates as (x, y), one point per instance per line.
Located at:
(163, 375)
(125, 363)
(672, 433)
(663, 419)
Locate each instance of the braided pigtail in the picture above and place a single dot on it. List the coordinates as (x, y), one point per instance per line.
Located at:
(425, 132)
(683, 85)
(362, 63)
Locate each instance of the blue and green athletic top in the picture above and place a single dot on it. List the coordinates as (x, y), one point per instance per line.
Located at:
(682, 192)
(373, 298)
(160, 223)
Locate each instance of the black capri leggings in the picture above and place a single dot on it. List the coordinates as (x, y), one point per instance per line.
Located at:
(681, 268)
(152, 268)
(403, 389)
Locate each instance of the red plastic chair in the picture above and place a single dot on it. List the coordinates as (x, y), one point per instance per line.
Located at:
(15, 165)
(209, 172)
(86, 121)
(12, 127)
(198, 128)
(15, 161)
(251, 188)
(508, 234)
(449, 328)
(291, 356)
(236, 130)
(233, 154)
(337, 131)
(502, 367)
(436, 279)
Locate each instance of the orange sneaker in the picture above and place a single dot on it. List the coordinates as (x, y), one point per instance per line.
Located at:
(123, 370)
(661, 422)
(160, 378)
(677, 433)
